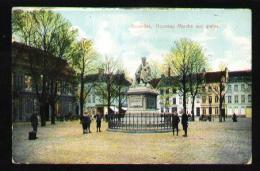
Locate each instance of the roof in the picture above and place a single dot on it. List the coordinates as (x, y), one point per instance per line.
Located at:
(19, 59)
(121, 79)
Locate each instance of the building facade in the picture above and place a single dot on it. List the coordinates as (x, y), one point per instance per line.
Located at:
(239, 93)
(24, 100)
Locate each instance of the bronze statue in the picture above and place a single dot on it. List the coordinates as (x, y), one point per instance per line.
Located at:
(143, 73)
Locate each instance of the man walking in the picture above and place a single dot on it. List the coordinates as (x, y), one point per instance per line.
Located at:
(175, 123)
(184, 121)
(98, 120)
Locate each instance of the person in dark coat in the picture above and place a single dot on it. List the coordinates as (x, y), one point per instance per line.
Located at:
(88, 123)
(184, 122)
(34, 121)
(234, 117)
(175, 123)
(84, 123)
(98, 120)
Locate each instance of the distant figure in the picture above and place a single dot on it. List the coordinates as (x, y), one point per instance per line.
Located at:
(234, 117)
(84, 122)
(175, 123)
(143, 73)
(184, 122)
(34, 121)
(98, 120)
(88, 123)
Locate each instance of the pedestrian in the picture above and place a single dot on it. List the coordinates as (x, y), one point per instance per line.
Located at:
(184, 121)
(98, 120)
(34, 121)
(234, 117)
(84, 121)
(175, 123)
(88, 123)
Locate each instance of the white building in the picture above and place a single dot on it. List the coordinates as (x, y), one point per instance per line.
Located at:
(239, 93)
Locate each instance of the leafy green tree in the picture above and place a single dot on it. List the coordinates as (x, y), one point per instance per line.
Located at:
(198, 65)
(41, 29)
(184, 58)
(84, 60)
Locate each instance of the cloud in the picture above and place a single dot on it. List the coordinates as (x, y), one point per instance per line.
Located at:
(240, 53)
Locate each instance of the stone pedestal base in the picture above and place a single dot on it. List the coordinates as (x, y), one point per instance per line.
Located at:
(142, 100)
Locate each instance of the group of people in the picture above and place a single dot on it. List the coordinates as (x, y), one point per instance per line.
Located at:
(86, 122)
(184, 122)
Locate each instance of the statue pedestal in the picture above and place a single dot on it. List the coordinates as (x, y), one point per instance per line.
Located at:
(142, 99)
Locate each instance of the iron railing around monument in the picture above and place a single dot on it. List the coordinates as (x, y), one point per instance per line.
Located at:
(141, 122)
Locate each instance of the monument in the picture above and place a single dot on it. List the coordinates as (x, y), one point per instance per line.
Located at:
(141, 97)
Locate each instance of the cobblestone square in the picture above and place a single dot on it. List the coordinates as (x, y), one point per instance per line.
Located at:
(64, 143)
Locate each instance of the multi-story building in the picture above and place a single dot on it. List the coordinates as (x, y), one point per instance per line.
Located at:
(24, 100)
(96, 103)
(239, 93)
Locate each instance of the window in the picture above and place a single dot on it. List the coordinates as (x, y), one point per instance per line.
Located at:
(249, 98)
(174, 109)
(216, 99)
(161, 109)
(249, 86)
(167, 91)
(89, 99)
(229, 99)
(198, 99)
(242, 87)
(242, 98)
(173, 90)
(180, 100)
(167, 110)
(161, 91)
(167, 100)
(174, 100)
(236, 88)
(203, 99)
(210, 89)
(236, 98)
(204, 111)
(203, 88)
(210, 99)
(216, 111)
(229, 87)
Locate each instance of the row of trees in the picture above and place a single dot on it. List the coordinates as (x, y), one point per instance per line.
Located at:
(187, 60)
(55, 36)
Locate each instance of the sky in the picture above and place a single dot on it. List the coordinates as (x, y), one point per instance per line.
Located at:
(131, 33)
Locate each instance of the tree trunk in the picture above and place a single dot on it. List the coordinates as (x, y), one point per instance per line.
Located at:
(42, 114)
(81, 98)
(53, 114)
(220, 109)
(192, 108)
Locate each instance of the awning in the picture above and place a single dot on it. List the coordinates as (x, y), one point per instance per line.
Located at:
(115, 109)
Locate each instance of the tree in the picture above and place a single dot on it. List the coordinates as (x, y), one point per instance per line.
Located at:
(221, 89)
(198, 64)
(39, 29)
(83, 59)
(107, 89)
(179, 60)
(120, 89)
(61, 48)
